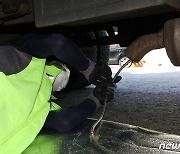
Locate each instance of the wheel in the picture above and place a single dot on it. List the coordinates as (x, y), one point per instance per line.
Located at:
(97, 53)
(123, 60)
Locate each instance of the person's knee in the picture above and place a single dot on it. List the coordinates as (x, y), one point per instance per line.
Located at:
(56, 121)
(58, 42)
(58, 38)
(63, 126)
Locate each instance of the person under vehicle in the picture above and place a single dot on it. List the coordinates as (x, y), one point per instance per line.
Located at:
(22, 64)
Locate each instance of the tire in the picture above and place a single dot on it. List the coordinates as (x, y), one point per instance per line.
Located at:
(98, 53)
(103, 49)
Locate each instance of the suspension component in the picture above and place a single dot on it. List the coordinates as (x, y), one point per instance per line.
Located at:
(143, 45)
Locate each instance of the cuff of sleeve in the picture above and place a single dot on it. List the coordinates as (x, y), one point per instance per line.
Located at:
(94, 99)
(89, 70)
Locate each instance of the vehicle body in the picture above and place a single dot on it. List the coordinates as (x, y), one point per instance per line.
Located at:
(115, 55)
(97, 23)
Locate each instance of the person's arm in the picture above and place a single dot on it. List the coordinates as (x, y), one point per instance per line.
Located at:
(43, 46)
(46, 45)
(69, 118)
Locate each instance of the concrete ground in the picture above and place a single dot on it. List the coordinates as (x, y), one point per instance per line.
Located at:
(147, 96)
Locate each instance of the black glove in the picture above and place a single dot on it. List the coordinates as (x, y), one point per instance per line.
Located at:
(101, 74)
(103, 90)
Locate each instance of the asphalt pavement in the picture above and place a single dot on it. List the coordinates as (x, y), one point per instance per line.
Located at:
(148, 97)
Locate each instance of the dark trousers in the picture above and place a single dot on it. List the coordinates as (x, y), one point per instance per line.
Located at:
(44, 46)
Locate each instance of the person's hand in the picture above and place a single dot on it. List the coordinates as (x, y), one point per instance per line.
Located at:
(103, 90)
(100, 74)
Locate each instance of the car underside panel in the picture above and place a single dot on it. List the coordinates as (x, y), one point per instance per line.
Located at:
(76, 12)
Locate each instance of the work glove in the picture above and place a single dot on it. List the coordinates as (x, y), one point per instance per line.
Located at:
(103, 90)
(100, 74)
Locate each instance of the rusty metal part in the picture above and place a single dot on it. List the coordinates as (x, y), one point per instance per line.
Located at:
(143, 45)
(23, 9)
(21, 20)
(11, 6)
(172, 40)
